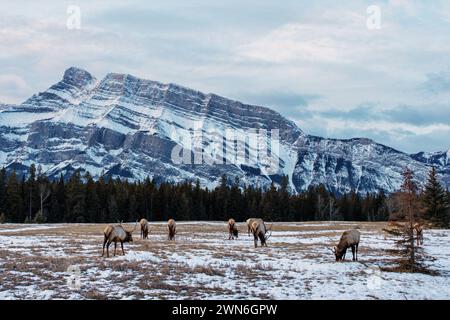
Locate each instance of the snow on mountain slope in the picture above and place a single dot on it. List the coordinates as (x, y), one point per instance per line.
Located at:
(440, 160)
(128, 127)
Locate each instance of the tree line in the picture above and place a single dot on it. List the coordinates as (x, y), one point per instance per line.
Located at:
(36, 198)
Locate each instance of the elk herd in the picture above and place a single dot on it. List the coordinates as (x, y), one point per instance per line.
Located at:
(255, 226)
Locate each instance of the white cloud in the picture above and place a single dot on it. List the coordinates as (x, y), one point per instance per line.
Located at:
(289, 43)
(10, 85)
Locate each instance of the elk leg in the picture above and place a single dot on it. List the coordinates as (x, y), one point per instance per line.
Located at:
(104, 243)
(107, 249)
(121, 244)
(357, 245)
(353, 251)
(115, 247)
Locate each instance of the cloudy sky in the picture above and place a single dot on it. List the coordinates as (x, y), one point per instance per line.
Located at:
(317, 62)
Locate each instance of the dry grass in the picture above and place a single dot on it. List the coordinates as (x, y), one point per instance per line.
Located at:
(200, 263)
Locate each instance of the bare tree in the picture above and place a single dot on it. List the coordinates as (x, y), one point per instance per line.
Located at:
(44, 193)
(408, 206)
(321, 207)
(332, 208)
(392, 205)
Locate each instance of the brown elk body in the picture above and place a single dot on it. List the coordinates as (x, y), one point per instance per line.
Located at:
(144, 228)
(116, 234)
(172, 228)
(259, 230)
(232, 229)
(419, 233)
(349, 239)
(249, 223)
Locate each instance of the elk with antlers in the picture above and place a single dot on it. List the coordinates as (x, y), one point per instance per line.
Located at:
(144, 228)
(172, 228)
(232, 229)
(259, 230)
(349, 239)
(116, 234)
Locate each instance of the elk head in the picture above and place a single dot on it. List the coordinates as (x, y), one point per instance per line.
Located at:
(337, 253)
(267, 235)
(129, 233)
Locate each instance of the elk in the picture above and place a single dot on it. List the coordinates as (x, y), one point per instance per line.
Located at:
(116, 234)
(249, 223)
(172, 228)
(419, 233)
(144, 228)
(349, 239)
(259, 230)
(232, 229)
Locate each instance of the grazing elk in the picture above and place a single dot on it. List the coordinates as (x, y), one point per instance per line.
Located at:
(232, 229)
(249, 223)
(259, 230)
(419, 233)
(172, 228)
(349, 239)
(116, 234)
(144, 228)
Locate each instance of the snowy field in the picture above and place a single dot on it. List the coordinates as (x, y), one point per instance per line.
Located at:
(63, 261)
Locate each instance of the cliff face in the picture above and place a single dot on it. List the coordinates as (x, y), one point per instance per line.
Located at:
(128, 127)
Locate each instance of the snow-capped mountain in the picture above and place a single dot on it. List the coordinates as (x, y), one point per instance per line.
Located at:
(128, 127)
(3, 106)
(440, 160)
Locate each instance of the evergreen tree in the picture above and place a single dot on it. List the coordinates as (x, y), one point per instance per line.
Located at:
(32, 195)
(284, 200)
(75, 196)
(222, 198)
(435, 200)
(57, 212)
(235, 204)
(3, 195)
(91, 200)
(14, 201)
(82, 199)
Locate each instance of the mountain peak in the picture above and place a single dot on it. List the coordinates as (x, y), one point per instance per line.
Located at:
(128, 127)
(77, 77)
